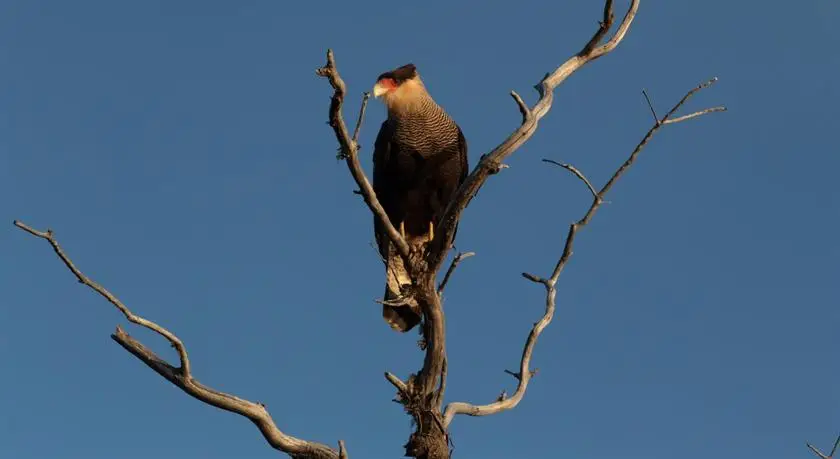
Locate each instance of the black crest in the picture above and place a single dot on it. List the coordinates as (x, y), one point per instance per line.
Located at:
(400, 74)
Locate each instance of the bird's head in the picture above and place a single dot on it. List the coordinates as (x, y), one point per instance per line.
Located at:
(399, 87)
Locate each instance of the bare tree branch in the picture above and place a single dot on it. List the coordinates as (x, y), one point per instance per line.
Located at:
(650, 105)
(523, 107)
(176, 343)
(350, 151)
(397, 382)
(455, 262)
(524, 375)
(182, 376)
(693, 115)
(531, 117)
(821, 454)
(365, 98)
(577, 173)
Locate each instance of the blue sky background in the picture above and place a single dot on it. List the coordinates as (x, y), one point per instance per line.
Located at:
(180, 152)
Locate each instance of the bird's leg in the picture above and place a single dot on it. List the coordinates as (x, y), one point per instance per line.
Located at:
(431, 234)
(402, 229)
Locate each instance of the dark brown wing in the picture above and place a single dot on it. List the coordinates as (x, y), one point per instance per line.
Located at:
(463, 173)
(382, 185)
(386, 181)
(462, 153)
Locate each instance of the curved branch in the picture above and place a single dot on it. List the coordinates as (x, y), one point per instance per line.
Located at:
(531, 117)
(455, 262)
(350, 151)
(169, 336)
(182, 376)
(550, 284)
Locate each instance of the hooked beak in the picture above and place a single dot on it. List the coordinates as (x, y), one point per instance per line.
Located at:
(379, 89)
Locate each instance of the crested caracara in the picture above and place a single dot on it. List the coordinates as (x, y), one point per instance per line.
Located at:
(419, 161)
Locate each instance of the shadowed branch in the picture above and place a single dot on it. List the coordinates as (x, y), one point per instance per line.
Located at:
(182, 376)
(350, 150)
(455, 262)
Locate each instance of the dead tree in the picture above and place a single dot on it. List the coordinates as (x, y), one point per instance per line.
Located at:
(421, 394)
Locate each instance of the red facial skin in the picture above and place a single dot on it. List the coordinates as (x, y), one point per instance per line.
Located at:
(388, 83)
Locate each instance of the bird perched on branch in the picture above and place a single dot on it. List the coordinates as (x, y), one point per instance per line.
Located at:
(419, 161)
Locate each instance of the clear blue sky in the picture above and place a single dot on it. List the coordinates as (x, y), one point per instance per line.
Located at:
(180, 152)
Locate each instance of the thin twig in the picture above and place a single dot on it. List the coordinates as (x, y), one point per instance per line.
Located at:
(688, 95)
(577, 173)
(655, 128)
(820, 453)
(361, 118)
(182, 376)
(169, 336)
(694, 115)
(518, 375)
(524, 375)
(650, 105)
(455, 262)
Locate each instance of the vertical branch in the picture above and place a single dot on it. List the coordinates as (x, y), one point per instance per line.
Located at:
(350, 151)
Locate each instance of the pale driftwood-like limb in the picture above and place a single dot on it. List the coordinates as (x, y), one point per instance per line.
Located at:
(823, 455)
(693, 115)
(182, 376)
(350, 151)
(524, 375)
(397, 382)
(455, 262)
(491, 162)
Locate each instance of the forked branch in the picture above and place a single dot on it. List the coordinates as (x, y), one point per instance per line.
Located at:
(182, 376)
(524, 375)
(491, 162)
(823, 455)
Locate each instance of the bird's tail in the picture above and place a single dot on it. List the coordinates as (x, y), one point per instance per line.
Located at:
(399, 308)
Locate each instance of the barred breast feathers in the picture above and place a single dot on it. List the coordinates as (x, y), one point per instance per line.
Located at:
(417, 119)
